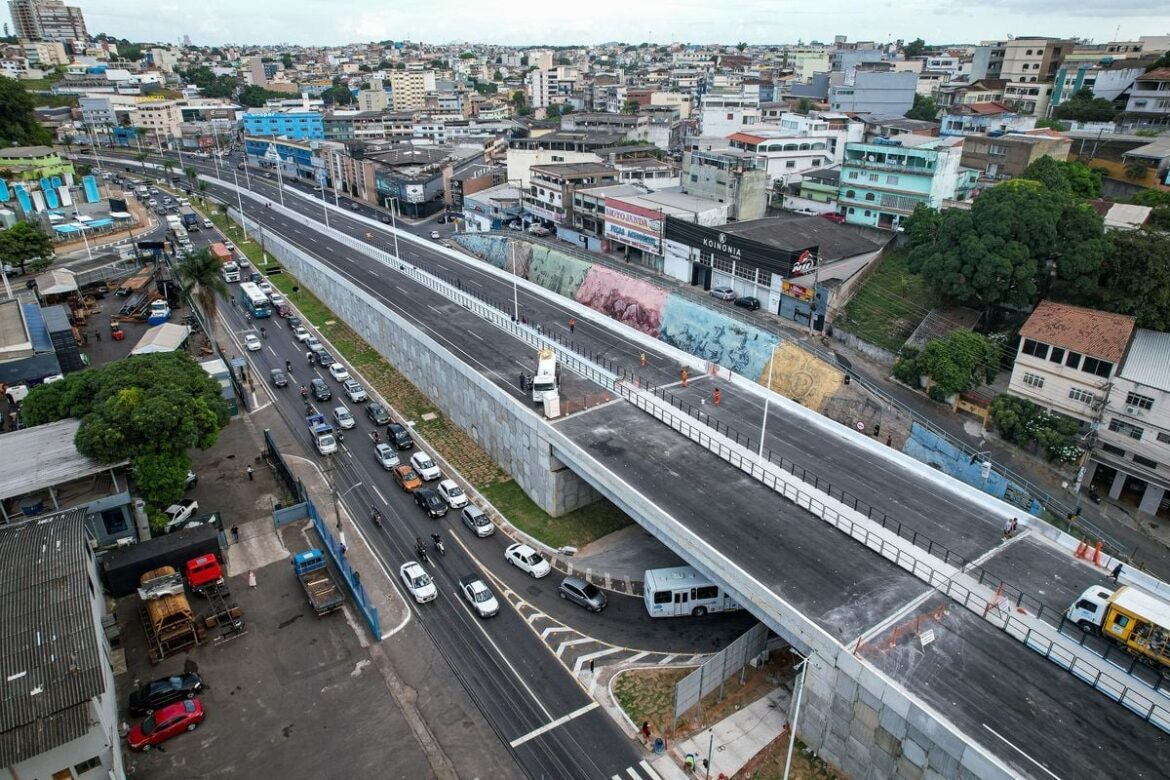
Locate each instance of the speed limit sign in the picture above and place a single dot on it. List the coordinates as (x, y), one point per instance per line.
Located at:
(860, 425)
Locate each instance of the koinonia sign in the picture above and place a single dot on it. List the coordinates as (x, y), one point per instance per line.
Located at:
(720, 243)
(633, 225)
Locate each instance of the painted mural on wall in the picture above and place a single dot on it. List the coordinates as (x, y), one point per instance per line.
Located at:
(634, 302)
(712, 336)
(557, 271)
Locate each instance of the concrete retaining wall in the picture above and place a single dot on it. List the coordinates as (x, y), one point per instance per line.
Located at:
(503, 427)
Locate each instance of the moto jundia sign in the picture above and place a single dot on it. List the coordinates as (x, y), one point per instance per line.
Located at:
(633, 225)
(719, 243)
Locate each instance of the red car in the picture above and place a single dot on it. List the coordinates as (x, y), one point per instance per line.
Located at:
(165, 723)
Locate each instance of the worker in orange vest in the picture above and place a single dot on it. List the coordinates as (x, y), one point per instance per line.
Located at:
(641, 360)
(572, 324)
(717, 396)
(684, 377)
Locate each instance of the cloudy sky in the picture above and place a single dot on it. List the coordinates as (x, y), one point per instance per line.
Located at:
(531, 22)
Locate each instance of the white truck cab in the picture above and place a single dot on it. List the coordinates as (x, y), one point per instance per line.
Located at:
(1088, 611)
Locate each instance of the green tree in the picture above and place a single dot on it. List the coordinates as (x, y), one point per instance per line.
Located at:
(438, 64)
(924, 108)
(191, 174)
(741, 46)
(553, 111)
(1016, 239)
(149, 408)
(200, 274)
(960, 361)
(630, 107)
(338, 95)
(564, 61)
(519, 99)
(1083, 107)
(467, 55)
(287, 61)
(914, 49)
(1023, 423)
(18, 123)
(25, 246)
(254, 96)
(1073, 177)
(1053, 124)
(1135, 278)
(498, 75)
(804, 105)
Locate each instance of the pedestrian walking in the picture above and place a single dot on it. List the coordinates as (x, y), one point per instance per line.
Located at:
(1007, 529)
(646, 730)
(1116, 572)
(718, 395)
(1015, 525)
(590, 666)
(684, 377)
(889, 441)
(642, 360)
(572, 324)
(235, 534)
(250, 473)
(309, 357)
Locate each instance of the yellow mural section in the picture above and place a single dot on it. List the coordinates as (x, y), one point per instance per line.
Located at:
(802, 377)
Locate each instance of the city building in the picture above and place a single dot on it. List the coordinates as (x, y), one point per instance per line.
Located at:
(293, 158)
(159, 120)
(47, 20)
(491, 208)
(373, 99)
(982, 119)
(978, 91)
(1027, 98)
(1007, 156)
(1149, 99)
(683, 102)
(731, 176)
(633, 127)
(471, 180)
(720, 115)
(881, 183)
(410, 89)
(549, 195)
(60, 708)
(294, 123)
(1032, 59)
(821, 185)
(796, 143)
(412, 178)
(31, 163)
(556, 147)
(872, 92)
(45, 55)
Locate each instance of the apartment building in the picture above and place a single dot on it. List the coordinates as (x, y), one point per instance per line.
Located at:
(295, 123)
(805, 61)
(732, 176)
(410, 89)
(872, 92)
(796, 144)
(984, 118)
(1149, 99)
(979, 91)
(549, 195)
(157, 119)
(373, 99)
(720, 115)
(683, 102)
(47, 20)
(633, 127)
(1007, 156)
(1030, 59)
(882, 183)
(557, 147)
(45, 55)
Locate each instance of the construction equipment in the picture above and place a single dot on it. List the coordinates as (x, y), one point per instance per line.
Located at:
(166, 616)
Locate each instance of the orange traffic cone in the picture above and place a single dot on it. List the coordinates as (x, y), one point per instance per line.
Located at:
(1082, 548)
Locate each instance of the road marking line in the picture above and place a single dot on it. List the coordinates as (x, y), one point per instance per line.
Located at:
(630, 771)
(553, 724)
(476, 335)
(650, 773)
(536, 615)
(666, 660)
(554, 630)
(569, 643)
(591, 656)
(636, 658)
(432, 308)
(1022, 753)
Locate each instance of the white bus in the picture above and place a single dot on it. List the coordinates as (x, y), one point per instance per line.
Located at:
(682, 590)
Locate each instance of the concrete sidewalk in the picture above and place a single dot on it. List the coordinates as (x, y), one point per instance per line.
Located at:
(734, 741)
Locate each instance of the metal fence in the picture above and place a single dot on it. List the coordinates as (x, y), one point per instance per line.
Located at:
(712, 675)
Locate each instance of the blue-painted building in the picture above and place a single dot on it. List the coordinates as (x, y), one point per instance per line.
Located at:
(295, 158)
(297, 124)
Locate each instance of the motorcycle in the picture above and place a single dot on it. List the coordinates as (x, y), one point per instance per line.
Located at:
(438, 542)
(377, 518)
(421, 552)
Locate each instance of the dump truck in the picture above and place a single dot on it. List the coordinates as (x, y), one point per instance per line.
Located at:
(166, 615)
(1130, 617)
(546, 380)
(322, 434)
(312, 571)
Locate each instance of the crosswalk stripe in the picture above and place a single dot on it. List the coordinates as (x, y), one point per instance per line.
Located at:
(666, 660)
(630, 771)
(591, 656)
(650, 773)
(565, 645)
(554, 630)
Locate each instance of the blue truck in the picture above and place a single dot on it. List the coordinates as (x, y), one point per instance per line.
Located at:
(322, 434)
(313, 572)
(189, 217)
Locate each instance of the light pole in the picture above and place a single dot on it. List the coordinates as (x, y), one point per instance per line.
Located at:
(240, 203)
(767, 399)
(515, 285)
(795, 714)
(279, 177)
(394, 224)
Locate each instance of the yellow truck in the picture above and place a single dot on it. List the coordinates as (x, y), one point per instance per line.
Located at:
(1132, 618)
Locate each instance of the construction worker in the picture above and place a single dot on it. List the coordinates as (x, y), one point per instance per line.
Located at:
(641, 359)
(572, 324)
(717, 396)
(684, 377)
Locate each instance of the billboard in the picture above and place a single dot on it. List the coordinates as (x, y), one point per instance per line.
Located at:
(633, 225)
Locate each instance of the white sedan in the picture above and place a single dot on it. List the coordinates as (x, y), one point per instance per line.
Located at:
(300, 334)
(479, 595)
(452, 494)
(418, 582)
(265, 287)
(252, 343)
(425, 467)
(338, 372)
(527, 560)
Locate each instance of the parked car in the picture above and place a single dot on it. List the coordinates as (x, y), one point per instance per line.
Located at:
(477, 521)
(748, 302)
(406, 478)
(527, 560)
(343, 418)
(180, 512)
(397, 433)
(582, 593)
(156, 693)
(354, 391)
(320, 390)
(722, 293)
(338, 372)
(479, 595)
(833, 216)
(377, 413)
(430, 501)
(452, 494)
(387, 456)
(165, 723)
(417, 582)
(426, 468)
(278, 378)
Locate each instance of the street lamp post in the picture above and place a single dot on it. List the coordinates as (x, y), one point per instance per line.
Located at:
(240, 203)
(795, 715)
(279, 176)
(515, 284)
(767, 399)
(394, 223)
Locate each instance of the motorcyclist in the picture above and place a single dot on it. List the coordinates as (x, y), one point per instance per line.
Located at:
(304, 392)
(438, 542)
(376, 517)
(288, 365)
(263, 333)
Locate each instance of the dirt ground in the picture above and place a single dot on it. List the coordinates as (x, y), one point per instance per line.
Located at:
(769, 764)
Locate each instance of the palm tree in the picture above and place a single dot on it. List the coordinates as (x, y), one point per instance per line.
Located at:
(191, 174)
(200, 275)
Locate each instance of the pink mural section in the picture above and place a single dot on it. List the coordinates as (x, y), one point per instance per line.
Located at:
(632, 301)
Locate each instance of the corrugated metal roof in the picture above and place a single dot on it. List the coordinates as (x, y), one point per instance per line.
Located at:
(1148, 361)
(48, 457)
(50, 664)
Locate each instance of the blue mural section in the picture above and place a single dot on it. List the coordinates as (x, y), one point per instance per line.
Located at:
(710, 335)
(935, 451)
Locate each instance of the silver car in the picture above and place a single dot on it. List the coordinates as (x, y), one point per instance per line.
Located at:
(582, 593)
(477, 521)
(386, 455)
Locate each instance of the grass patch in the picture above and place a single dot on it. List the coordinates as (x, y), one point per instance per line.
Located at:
(577, 528)
(889, 305)
(805, 764)
(648, 695)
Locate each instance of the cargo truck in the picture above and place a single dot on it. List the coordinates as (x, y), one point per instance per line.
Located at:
(173, 222)
(189, 217)
(322, 434)
(231, 272)
(220, 252)
(1134, 619)
(546, 380)
(312, 571)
